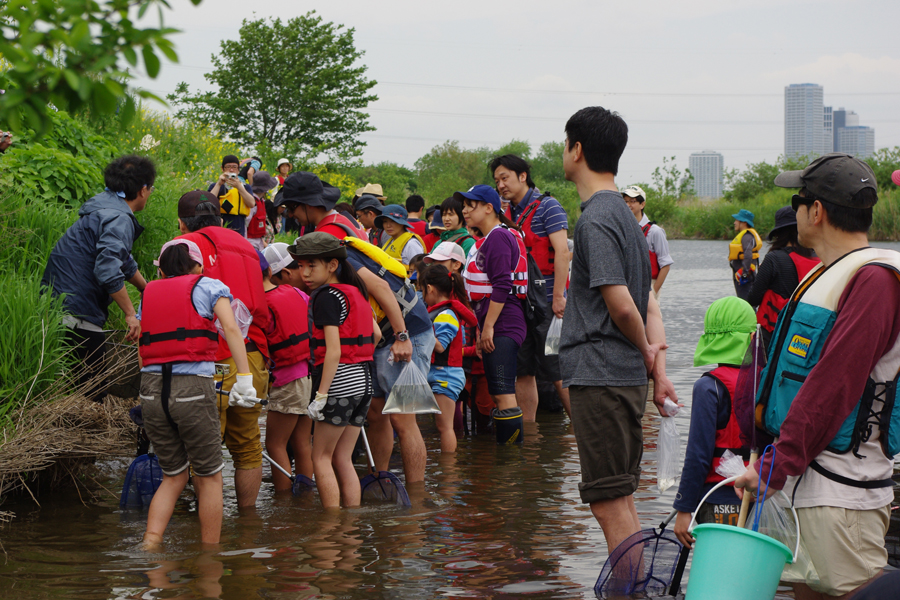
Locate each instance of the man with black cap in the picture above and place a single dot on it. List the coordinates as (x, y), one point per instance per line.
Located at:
(235, 198)
(229, 257)
(311, 201)
(406, 327)
(829, 391)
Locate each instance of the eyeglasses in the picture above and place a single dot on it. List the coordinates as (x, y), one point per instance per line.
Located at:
(797, 201)
(630, 200)
(150, 187)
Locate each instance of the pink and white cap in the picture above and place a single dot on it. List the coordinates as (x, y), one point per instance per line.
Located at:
(193, 250)
(446, 251)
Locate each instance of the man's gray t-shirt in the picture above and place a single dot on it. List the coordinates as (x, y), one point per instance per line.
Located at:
(609, 250)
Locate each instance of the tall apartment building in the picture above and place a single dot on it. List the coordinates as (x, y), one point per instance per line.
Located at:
(804, 118)
(828, 144)
(838, 121)
(858, 141)
(706, 167)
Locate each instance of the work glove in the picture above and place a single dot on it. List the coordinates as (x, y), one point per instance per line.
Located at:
(243, 393)
(316, 406)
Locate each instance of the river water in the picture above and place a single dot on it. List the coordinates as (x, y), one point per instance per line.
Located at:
(489, 522)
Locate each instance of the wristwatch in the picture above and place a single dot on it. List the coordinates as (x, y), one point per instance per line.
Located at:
(402, 336)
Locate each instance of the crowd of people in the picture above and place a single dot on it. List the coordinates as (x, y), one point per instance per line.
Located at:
(466, 291)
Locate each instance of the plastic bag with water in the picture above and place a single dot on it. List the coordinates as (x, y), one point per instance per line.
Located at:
(731, 465)
(777, 521)
(668, 447)
(242, 317)
(411, 394)
(551, 346)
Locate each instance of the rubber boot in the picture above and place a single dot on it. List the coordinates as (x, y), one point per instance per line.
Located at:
(508, 425)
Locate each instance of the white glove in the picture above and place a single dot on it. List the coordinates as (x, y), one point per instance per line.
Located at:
(315, 407)
(243, 393)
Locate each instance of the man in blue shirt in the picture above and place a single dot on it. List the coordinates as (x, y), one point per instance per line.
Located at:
(544, 226)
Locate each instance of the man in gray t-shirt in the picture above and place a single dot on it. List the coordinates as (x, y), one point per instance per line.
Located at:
(612, 334)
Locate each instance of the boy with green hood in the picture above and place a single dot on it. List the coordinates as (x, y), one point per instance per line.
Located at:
(728, 327)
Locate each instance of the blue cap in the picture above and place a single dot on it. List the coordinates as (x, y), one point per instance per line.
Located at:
(436, 221)
(481, 193)
(744, 215)
(395, 213)
(263, 263)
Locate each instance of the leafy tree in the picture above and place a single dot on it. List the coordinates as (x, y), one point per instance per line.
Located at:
(397, 181)
(547, 172)
(884, 162)
(758, 178)
(518, 147)
(289, 83)
(66, 54)
(447, 168)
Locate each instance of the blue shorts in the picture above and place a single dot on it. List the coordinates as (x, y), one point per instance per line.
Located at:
(448, 381)
(386, 373)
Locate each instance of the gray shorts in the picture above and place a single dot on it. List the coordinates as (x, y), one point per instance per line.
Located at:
(607, 422)
(198, 439)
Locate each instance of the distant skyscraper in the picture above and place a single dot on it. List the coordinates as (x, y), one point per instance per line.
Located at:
(838, 121)
(828, 139)
(804, 118)
(706, 167)
(858, 141)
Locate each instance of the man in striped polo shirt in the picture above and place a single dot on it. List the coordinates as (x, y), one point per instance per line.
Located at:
(545, 227)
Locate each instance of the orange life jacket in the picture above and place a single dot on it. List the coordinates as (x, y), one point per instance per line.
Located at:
(772, 302)
(171, 328)
(538, 247)
(229, 257)
(452, 355)
(357, 339)
(654, 261)
(728, 438)
(340, 227)
(289, 344)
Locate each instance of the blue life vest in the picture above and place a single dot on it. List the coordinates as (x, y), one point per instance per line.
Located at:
(801, 331)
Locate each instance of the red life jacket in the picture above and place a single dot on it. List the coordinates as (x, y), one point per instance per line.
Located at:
(538, 247)
(452, 355)
(256, 228)
(230, 258)
(772, 303)
(478, 285)
(289, 344)
(431, 240)
(417, 226)
(340, 227)
(728, 438)
(357, 338)
(171, 328)
(654, 261)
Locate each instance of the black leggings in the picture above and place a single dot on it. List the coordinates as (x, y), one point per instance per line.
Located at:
(88, 346)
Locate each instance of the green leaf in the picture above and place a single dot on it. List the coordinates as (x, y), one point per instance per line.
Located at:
(166, 48)
(151, 62)
(127, 112)
(104, 100)
(130, 55)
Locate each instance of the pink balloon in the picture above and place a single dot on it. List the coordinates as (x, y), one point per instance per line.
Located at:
(895, 177)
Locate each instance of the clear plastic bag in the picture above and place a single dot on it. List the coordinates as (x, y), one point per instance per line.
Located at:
(242, 317)
(777, 521)
(731, 465)
(551, 346)
(668, 447)
(411, 394)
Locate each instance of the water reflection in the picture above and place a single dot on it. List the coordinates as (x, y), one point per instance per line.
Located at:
(489, 522)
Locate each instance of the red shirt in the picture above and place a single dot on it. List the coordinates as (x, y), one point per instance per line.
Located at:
(866, 328)
(417, 226)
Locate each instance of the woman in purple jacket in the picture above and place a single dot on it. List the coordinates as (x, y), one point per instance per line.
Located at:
(501, 318)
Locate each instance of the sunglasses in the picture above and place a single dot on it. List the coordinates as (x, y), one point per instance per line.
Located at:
(798, 201)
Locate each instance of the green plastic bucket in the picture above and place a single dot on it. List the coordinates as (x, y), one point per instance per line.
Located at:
(735, 564)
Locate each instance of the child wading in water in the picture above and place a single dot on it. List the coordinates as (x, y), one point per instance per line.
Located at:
(728, 329)
(445, 296)
(178, 345)
(343, 335)
(288, 337)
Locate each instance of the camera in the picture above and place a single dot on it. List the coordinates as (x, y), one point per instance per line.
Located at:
(231, 175)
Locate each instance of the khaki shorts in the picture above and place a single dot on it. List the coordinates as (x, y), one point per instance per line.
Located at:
(192, 405)
(607, 422)
(846, 546)
(291, 398)
(240, 426)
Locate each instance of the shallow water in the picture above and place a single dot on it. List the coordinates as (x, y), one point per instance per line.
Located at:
(490, 522)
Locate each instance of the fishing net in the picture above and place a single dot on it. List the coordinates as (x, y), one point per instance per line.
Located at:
(746, 389)
(302, 484)
(643, 564)
(141, 482)
(383, 487)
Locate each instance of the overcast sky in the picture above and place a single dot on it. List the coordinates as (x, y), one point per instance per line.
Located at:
(687, 76)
